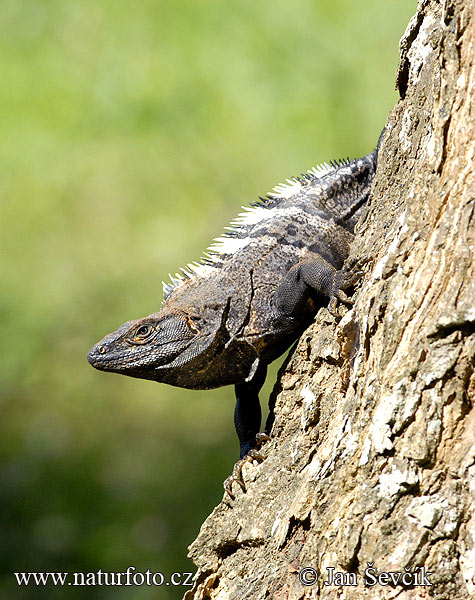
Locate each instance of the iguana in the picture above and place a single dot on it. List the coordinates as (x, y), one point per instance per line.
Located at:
(226, 317)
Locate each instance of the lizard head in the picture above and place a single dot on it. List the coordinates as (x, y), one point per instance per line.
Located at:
(138, 347)
(195, 352)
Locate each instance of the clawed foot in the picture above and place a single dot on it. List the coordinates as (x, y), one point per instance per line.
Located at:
(236, 475)
(350, 273)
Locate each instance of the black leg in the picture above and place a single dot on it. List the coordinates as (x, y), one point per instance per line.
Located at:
(247, 419)
(247, 414)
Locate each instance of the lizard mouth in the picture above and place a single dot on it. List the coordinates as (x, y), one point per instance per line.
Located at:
(100, 359)
(105, 359)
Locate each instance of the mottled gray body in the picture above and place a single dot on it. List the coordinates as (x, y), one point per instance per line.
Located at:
(224, 319)
(287, 230)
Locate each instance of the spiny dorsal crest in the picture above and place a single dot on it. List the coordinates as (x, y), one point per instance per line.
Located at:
(235, 236)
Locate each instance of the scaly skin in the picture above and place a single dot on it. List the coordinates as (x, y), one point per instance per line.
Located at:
(225, 319)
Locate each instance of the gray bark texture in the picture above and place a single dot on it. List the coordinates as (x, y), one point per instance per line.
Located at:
(372, 450)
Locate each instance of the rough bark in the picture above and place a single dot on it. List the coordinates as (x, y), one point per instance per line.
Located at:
(372, 456)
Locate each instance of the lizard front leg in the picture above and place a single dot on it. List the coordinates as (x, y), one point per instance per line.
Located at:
(247, 420)
(316, 274)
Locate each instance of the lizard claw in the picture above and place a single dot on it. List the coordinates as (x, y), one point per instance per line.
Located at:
(236, 475)
(261, 438)
(350, 273)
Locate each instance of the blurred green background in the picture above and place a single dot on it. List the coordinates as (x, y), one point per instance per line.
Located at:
(131, 133)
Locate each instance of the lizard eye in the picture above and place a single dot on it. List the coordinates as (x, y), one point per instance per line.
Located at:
(142, 333)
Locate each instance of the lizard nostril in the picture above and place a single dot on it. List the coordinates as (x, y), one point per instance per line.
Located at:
(102, 349)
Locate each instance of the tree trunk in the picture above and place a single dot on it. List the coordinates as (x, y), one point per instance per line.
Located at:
(371, 464)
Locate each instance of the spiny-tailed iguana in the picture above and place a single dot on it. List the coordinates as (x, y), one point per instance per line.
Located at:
(226, 317)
